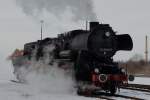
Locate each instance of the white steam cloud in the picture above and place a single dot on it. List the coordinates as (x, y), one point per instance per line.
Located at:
(81, 9)
(45, 77)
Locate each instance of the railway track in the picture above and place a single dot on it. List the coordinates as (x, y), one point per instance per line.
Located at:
(108, 96)
(115, 97)
(138, 87)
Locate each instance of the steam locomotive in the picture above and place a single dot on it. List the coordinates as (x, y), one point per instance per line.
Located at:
(91, 52)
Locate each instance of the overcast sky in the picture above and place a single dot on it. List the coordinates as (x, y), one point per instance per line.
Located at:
(125, 16)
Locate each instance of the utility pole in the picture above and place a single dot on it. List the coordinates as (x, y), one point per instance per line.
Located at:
(146, 49)
(86, 25)
(42, 29)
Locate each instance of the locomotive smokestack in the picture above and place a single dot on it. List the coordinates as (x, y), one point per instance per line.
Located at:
(93, 25)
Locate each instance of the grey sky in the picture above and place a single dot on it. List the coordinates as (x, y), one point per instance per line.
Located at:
(125, 16)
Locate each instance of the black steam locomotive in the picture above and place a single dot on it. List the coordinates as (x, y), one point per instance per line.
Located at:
(91, 51)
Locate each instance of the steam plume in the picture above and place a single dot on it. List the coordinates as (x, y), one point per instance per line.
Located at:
(47, 77)
(81, 9)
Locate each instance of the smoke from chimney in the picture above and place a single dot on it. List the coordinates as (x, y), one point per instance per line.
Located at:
(81, 9)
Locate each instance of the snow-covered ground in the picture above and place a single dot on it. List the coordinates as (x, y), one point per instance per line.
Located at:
(134, 93)
(52, 86)
(47, 88)
(16, 91)
(141, 80)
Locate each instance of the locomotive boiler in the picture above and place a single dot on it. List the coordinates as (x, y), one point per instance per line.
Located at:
(91, 52)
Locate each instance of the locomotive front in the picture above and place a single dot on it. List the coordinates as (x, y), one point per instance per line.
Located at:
(95, 63)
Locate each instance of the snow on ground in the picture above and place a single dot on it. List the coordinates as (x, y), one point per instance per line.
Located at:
(141, 80)
(16, 91)
(134, 93)
(54, 85)
(50, 88)
(44, 91)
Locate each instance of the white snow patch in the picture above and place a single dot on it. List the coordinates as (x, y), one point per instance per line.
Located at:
(14, 91)
(141, 80)
(134, 93)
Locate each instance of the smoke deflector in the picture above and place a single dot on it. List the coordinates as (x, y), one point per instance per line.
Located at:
(124, 42)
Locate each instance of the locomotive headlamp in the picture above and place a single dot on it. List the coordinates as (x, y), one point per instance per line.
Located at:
(123, 70)
(96, 70)
(107, 34)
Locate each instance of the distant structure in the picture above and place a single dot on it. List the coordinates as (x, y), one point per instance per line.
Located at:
(146, 49)
(86, 25)
(42, 29)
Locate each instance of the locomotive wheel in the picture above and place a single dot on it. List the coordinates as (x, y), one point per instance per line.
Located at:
(113, 89)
